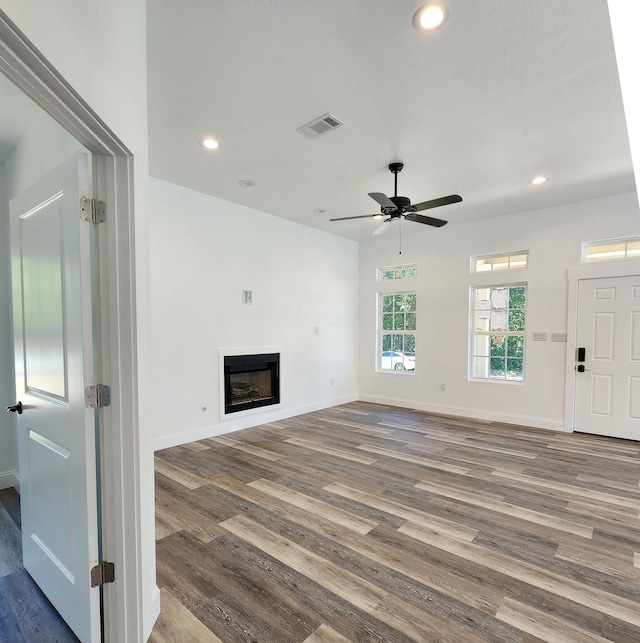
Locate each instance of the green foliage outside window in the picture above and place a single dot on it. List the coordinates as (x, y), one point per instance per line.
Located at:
(399, 311)
(397, 325)
(498, 347)
(403, 343)
(399, 272)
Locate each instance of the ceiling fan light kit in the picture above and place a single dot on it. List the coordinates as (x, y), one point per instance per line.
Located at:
(400, 207)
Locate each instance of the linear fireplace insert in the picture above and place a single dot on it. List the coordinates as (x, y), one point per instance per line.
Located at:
(251, 381)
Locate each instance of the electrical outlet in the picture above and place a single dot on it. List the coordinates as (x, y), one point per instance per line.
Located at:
(443, 387)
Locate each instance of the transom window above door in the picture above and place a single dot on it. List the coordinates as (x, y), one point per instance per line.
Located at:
(611, 249)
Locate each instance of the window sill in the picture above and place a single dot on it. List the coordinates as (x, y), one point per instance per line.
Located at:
(496, 381)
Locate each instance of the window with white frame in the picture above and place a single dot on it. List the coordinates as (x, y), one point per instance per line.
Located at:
(397, 331)
(394, 273)
(498, 332)
(611, 249)
(503, 261)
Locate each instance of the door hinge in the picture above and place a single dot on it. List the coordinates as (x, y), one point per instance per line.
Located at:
(102, 574)
(92, 210)
(97, 396)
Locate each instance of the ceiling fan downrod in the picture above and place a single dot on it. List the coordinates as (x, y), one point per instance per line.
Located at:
(396, 168)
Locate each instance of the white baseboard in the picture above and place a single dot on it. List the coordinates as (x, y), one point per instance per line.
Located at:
(231, 424)
(9, 479)
(476, 414)
(152, 612)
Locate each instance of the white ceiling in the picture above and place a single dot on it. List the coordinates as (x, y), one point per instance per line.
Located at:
(507, 89)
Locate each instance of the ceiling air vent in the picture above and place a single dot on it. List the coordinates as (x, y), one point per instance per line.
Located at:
(319, 126)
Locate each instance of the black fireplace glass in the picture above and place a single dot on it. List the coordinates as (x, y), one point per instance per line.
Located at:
(251, 381)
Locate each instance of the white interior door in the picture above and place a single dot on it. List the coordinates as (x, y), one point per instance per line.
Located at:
(54, 347)
(608, 391)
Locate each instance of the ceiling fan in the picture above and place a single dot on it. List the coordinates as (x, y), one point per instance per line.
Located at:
(397, 207)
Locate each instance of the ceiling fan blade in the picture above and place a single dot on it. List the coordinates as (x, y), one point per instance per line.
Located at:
(436, 203)
(362, 216)
(382, 199)
(421, 218)
(382, 227)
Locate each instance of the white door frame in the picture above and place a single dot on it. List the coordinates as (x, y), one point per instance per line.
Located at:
(620, 268)
(26, 67)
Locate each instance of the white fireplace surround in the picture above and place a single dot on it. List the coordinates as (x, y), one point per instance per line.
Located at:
(251, 350)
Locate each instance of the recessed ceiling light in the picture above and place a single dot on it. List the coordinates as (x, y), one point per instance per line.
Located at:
(538, 180)
(209, 143)
(429, 17)
(246, 183)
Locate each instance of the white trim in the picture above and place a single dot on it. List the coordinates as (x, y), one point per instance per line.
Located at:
(473, 333)
(254, 350)
(607, 243)
(153, 609)
(380, 332)
(250, 350)
(474, 414)
(31, 72)
(9, 479)
(595, 270)
(210, 431)
(493, 278)
(247, 412)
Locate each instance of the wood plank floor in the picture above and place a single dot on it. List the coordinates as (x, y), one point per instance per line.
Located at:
(371, 523)
(26, 616)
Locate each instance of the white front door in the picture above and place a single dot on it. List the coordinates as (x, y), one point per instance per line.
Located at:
(607, 400)
(54, 348)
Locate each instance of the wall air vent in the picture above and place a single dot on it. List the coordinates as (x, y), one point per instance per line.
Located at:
(319, 126)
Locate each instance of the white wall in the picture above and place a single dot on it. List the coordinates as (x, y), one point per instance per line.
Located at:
(42, 147)
(204, 253)
(553, 237)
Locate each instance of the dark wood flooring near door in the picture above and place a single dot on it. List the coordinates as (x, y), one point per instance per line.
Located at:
(26, 616)
(371, 523)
